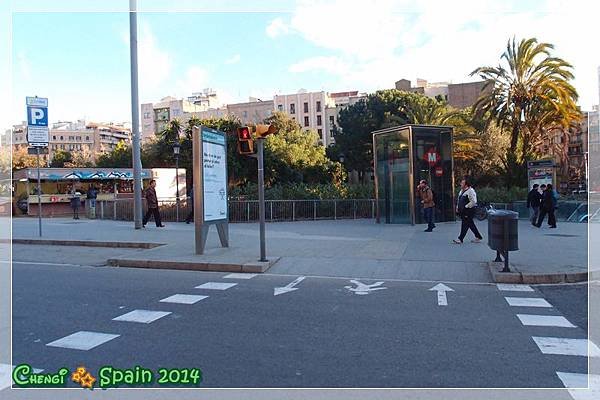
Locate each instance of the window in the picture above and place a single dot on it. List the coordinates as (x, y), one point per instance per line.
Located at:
(320, 132)
(318, 106)
(319, 121)
(331, 120)
(54, 137)
(292, 108)
(146, 115)
(279, 107)
(306, 121)
(87, 138)
(245, 114)
(61, 138)
(331, 133)
(79, 138)
(305, 107)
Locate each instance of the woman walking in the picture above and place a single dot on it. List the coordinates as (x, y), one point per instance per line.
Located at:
(465, 208)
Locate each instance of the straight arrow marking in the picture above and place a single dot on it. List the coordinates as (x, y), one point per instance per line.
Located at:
(289, 287)
(441, 290)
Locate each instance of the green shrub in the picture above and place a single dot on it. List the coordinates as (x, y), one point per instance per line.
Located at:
(500, 195)
(304, 191)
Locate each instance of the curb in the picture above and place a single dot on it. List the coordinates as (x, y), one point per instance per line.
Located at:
(88, 243)
(533, 278)
(250, 267)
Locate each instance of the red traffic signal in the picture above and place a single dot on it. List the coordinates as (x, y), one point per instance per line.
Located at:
(245, 144)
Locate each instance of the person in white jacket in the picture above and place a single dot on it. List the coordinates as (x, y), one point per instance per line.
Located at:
(465, 208)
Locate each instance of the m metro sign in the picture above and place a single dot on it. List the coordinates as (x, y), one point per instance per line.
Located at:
(37, 121)
(432, 156)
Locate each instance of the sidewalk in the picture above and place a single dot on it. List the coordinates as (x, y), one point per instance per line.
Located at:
(348, 248)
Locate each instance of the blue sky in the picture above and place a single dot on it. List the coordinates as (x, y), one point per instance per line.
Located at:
(80, 60)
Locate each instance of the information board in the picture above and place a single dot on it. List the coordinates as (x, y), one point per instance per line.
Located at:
(214, 175)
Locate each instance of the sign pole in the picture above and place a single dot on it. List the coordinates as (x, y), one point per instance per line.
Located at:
(261, 198)
(39, 191)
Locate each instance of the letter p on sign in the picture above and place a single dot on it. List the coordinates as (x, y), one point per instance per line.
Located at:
(37, 116)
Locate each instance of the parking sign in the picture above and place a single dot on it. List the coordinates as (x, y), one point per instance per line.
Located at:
(37, 121)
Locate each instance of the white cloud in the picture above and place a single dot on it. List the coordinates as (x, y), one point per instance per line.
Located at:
(233, 59)
(194, 80)
(276, 28)
(375, 44)
(331, 64)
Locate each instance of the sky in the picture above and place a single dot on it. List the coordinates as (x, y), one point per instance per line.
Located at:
(76, 53)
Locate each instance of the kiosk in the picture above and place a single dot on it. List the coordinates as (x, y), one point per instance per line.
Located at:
(402, 156)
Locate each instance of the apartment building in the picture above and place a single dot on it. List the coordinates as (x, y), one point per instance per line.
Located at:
(340, 100)
(95, 138)
(155, 116)
(308, 109)
(253, 112)
(458, 95)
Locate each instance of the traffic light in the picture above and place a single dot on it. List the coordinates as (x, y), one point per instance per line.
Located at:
(265, 130)
(245, 142)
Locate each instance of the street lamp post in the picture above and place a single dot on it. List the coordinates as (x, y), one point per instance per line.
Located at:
(176, 149)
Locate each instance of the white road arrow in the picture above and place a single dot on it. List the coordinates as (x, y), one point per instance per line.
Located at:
(441, 290)
(289, 287)
(362, 288)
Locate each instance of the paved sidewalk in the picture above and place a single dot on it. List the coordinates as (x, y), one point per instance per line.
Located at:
(349, 248)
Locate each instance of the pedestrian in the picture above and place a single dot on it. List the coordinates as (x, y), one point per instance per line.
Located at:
(190, 216)
(75, 194)
(549, 205)
(465, 208)
(534, 200)
(428, 204)
(152, 204)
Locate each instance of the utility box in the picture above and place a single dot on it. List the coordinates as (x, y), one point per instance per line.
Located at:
(404, 155)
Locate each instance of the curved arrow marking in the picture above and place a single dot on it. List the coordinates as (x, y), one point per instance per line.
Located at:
(289, 287)
(441, 290)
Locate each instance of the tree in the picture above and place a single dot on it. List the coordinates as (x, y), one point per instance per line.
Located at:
(119, 157)
(294, 155)
(530, 94)
(83, 159)
(21, 159)
(60, 158)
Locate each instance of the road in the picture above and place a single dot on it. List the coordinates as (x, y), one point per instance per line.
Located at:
(330, 332)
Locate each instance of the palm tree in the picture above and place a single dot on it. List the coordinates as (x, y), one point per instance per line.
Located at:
(170, 134)
(530, 95)
(427, 111)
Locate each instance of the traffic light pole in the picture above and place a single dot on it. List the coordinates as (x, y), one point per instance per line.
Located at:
(261, 198)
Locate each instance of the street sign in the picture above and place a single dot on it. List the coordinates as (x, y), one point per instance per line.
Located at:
(432, 156)
(37, 121)
(33, 150)
(439, 171)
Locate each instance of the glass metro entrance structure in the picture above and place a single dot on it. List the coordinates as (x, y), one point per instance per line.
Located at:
(404, 155)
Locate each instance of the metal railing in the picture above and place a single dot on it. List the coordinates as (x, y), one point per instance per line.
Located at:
(247, 210)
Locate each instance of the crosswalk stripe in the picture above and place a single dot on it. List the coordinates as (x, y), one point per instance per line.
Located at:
(514, 288)
(142, 316)
(527, 302)
(6, 375)
(585, 392)
(238, 275)
(545, 320)
(183, 299)
(83, 340)
(216, 285)
(567, 347)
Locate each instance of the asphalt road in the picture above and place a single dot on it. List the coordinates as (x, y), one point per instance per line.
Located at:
(321, 335)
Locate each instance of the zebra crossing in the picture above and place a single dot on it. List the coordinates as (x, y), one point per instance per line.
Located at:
(563, 345)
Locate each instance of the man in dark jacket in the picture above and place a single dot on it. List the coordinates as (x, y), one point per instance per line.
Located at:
(152, 203)
(548, 206)
(534, 200)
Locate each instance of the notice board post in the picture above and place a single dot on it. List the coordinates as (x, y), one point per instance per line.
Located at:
(210, 185)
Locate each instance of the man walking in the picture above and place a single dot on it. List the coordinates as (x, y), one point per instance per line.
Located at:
(152, 203)
(534, 199)
(465, 207)
(426, 195)
(548, 206)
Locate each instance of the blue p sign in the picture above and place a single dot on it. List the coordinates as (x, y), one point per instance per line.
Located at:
(37, 116)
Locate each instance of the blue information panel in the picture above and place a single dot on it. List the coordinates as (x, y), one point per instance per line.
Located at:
(37, 121)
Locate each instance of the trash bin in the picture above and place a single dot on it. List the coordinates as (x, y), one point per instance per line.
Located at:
(503, 233)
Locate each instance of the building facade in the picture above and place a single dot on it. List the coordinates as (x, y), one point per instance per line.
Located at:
(458, 95)
(253, 112)
(308, 109)
(156, 116)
